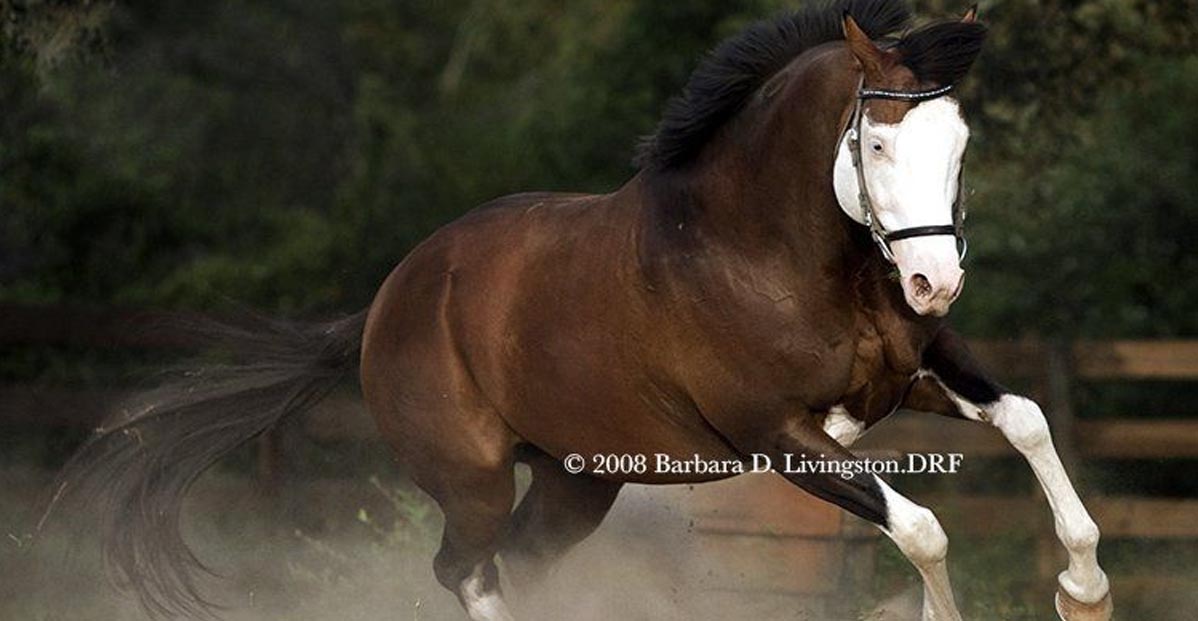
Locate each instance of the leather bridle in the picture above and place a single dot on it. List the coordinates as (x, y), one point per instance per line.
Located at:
(880, 235)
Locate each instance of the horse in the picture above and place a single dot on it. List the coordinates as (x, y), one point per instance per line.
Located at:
(773, 281)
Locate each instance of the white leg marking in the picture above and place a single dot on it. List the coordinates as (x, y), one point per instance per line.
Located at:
(481, 604)
(1024, 426)
(917, 533)
(842, 426)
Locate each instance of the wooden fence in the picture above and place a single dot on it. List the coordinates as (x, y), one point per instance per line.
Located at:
(1049, 370)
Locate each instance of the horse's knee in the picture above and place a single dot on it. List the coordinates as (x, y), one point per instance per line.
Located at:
(914, 529)
(921, 537)
(1021, 422)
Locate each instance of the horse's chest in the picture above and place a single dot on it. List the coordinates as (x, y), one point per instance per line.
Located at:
(882, 369)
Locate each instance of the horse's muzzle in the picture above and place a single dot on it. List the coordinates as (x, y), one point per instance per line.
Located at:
(932, 278)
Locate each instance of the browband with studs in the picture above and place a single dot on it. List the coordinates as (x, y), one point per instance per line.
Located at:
(916, 96)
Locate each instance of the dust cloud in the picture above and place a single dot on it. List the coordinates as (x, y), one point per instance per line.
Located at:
(367, 563)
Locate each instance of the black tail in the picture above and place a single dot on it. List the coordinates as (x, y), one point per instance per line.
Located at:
(137, 469)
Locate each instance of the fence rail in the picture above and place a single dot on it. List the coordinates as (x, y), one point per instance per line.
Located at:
(1096, 360)
(1105, 439)
(341, 418)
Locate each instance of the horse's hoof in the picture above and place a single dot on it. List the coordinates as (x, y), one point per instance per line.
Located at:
(1070, 609)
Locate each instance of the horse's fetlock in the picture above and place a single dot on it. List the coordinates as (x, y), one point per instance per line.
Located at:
(1081, 537)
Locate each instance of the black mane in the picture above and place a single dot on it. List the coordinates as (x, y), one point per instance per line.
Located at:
(739, 66)
(730, 74)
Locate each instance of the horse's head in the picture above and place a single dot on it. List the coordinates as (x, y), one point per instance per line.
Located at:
(898, 167)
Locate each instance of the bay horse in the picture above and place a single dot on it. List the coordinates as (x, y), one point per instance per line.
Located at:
(772, 281)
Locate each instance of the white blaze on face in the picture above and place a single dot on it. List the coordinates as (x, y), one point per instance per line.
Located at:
(911, 172)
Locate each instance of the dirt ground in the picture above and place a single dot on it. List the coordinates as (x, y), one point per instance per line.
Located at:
(361, 550)
(357, 563)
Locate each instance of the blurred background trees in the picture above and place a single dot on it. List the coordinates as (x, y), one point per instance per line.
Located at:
(287, 154)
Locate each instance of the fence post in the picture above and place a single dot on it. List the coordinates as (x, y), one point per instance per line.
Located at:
(1059, 412)
(1060, 403)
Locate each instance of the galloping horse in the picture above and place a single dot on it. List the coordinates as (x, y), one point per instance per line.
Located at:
(772, 281)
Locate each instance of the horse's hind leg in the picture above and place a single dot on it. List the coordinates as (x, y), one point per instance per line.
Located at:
(559, 510)
(477, 504)
(462, 456)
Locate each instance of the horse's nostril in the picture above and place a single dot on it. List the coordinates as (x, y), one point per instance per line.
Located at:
(920, 286)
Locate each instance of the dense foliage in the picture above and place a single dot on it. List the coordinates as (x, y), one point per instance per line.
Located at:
(288, 153)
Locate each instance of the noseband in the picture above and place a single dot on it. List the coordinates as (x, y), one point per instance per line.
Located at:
(880, 235)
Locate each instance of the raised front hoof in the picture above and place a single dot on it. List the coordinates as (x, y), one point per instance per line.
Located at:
(1070, 609)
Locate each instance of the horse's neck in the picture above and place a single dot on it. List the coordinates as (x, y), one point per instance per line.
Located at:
(764, 188)
(767, 199)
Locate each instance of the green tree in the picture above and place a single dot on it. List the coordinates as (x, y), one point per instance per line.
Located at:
(288, 154)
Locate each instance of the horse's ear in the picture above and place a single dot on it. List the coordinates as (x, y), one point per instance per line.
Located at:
(971, 15)
(871, 58)
(942, 52)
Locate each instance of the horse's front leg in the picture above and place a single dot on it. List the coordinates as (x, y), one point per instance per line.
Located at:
(1083, 592)
(795, 450)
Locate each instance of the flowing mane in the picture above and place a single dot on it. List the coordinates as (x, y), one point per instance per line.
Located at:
(727, 78)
